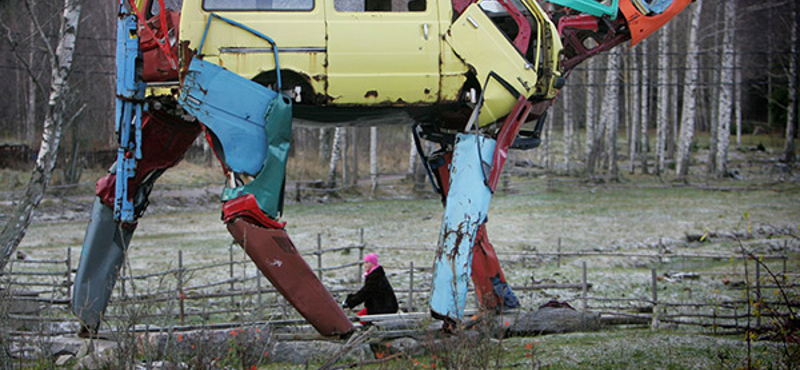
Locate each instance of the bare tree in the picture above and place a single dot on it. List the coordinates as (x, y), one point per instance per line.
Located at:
(569, 127)
(791, 109)
(633, 122)
(590, 121)
(547, 141)
(689, 93)
(373, 159)
(61, 59)
(336, 146)
(412, 155)
(662, 105)
(610, 112)
(644, 106)
(726, 90)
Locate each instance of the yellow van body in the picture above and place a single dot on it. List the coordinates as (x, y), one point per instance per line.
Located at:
(354, 59)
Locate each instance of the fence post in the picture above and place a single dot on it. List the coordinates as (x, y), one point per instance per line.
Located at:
(558, 256)
(180, 286)
(319, 256)
(785, 257)
(258, 286)
(758, 291)
(360, 252)
(584, 287)
(654, 286)
(410, 307)
(230, 272)
(660, 253)
(69, 274)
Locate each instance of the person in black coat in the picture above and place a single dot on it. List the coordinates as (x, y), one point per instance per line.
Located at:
(376, 294)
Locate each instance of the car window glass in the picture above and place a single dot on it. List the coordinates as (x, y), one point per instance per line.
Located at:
(174, 5)
(380, 5)
(258, 4)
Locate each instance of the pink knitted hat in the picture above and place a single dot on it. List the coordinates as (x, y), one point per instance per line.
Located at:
(371, 258)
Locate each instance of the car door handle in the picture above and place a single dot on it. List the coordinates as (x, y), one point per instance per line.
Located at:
(425, 30)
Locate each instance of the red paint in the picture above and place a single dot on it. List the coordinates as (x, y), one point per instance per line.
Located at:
(165, 139)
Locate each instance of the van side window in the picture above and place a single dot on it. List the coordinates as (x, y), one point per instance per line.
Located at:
(155, 8)
(395, 6)
(279, 5)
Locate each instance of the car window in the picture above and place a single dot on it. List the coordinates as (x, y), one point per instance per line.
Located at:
(380, 5)
(174, 5)
(280, 5)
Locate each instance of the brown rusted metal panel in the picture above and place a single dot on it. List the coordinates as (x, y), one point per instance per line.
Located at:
(276, 256)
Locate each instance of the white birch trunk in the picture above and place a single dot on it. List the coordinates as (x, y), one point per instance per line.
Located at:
(726, 90)
(633, 91)
(412, 155)
(373, 159)
(737, 98)
(609, 118)
(689, 94)
(568, 128)
(644, 106)
(662, 113)
(336, 151)
(791, 109)
(548, 140)
(590, 116)
(18, 223)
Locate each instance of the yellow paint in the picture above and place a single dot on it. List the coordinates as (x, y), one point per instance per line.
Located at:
(383, 58)
(481, 45)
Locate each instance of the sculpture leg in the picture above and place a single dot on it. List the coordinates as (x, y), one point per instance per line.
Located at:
(466, 206)
(103, 253)
(486, 271)
(165, 140)
(251, 136)
(269, 246)
(487, 276)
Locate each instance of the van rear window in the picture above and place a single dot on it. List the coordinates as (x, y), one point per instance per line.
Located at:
(278, 5)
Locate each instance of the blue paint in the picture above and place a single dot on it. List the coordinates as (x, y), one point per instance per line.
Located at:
(593, 7)
(233, 108)
(466, 208)
(129, 106)
(656, 6)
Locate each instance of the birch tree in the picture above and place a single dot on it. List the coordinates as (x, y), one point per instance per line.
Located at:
(547, 141)
(373, 159)
(569, 127)
(609, 118)
(412, 154)
(633, 125)
(61, 61)
(336, 146)
(662, 105)
(689, 93)
(726, 89)
(791, 109)
(644, 105)
(590, 122)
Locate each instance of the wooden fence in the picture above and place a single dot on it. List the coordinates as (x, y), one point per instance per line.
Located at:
(226, 294)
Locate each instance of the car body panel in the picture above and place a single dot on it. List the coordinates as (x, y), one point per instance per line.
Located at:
(476, 39)
(398, 59)
(383, 58)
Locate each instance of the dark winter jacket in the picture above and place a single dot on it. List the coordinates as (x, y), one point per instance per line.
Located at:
(376, 294)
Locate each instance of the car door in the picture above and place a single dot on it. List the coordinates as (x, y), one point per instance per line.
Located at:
(382, 52)
(296, 26)
(502, 69)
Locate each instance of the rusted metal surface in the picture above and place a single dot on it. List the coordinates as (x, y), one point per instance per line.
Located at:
(465, 210)
(276, 256)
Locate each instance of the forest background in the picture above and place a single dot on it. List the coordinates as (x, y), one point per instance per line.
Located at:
(654, 104)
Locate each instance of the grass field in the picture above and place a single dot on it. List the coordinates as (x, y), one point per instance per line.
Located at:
(541, 211)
